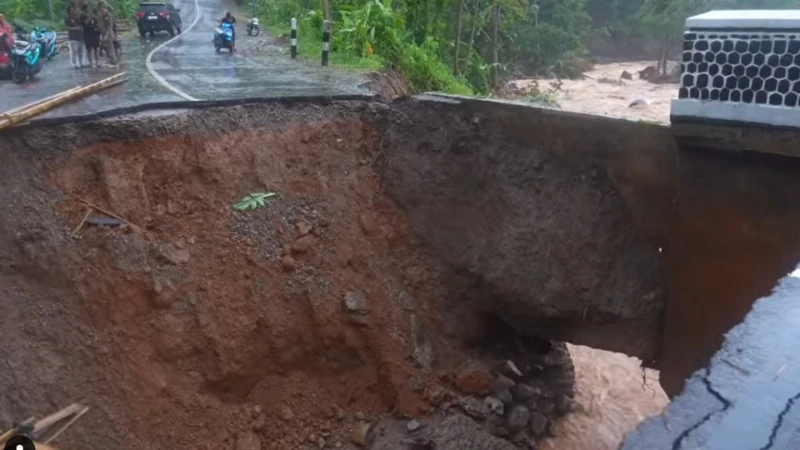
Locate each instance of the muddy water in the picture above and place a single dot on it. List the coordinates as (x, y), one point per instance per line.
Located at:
(613, 396)
(602, 92)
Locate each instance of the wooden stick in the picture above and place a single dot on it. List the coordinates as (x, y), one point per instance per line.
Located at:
(69, 423)
(89, 210)
(56, 417)
(105, 211)
(44, 106)
(41, 446)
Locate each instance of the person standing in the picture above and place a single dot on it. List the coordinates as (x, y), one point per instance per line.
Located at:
(5, 27)
(91, 36)
(105, 25)
(75, 38)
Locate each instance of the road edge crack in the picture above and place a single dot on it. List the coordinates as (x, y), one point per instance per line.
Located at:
(726, 404)
(779, 422)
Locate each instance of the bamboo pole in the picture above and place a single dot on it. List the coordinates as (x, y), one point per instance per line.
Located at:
(13, 111)
(44, 106)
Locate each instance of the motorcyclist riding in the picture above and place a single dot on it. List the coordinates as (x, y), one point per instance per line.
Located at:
(230, 20)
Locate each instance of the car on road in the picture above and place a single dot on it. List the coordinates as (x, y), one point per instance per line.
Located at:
(152, 17)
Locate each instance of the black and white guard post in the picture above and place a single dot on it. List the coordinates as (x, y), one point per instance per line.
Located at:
(326, 41)
(294, 38)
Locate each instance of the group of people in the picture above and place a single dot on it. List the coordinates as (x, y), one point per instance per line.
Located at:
(91, 31)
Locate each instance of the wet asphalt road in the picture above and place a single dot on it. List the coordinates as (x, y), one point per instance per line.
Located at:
(189, 66)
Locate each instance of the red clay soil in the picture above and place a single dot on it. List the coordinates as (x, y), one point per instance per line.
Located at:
(216, 322)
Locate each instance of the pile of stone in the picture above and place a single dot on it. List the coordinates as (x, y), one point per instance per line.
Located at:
(522, 400)
(503, 402)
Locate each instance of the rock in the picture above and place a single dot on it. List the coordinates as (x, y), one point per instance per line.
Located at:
(436, 395)
(648, 73)
(354, 303)
(360, 416)
(414, 425)
(523, 393)
(321, 443)
(260, 422)
(173, 255)
(639, 102)
(538, 423)
(359, 434)
(248, 440)
(286, 413)
(564, 404)
(416, 385)
(406, 301)
(518, 417)
(303, 228)
(460, 432)
(496, 426)
(288, 264)
(338, 413)
(502, 383)
(523, 440)
(303, 245)
(626, 75)
(474, 379)
(512, 370)
(494, 405)
(473, 407)
(422, 354)
(257, 410)
(505, 397)
(547, 406)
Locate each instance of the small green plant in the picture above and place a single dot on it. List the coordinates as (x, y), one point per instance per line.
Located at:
(253, 201)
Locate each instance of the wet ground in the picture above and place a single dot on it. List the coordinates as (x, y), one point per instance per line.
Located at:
(185, 68)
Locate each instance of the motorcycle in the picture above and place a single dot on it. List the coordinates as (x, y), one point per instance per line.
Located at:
(47, 39)
(223, 37)
(252, 28)
(26, 60)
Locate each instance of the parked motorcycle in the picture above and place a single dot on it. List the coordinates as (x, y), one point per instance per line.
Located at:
(47, 39)
(223, 37)
(26, 60)
(252, 28)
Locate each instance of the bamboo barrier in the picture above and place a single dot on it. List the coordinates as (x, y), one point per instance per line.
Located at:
(33, 109)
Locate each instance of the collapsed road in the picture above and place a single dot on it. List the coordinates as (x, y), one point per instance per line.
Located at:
(414, 263)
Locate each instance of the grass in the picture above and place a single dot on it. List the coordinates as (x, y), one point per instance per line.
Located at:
(309, 47)
(309, 44)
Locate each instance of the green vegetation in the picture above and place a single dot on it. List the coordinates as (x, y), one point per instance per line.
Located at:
(30, 13)
(462, 46)
(253, 201)
(468, 46)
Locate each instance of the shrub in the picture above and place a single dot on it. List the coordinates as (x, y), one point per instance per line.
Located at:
(426, 72)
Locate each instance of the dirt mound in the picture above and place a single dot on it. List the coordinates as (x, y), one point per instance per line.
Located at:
(215, 320)
(192, 324)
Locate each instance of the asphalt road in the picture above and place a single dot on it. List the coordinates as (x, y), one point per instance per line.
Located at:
(186, 68)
